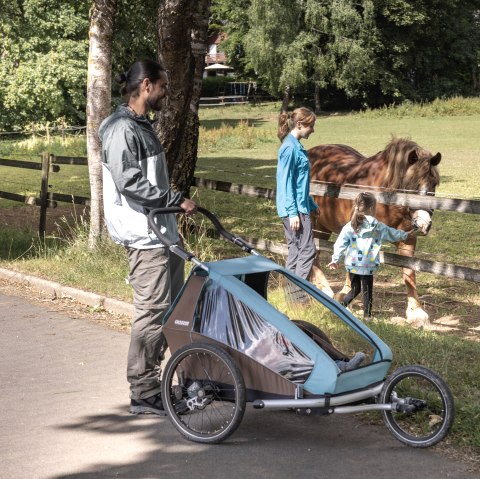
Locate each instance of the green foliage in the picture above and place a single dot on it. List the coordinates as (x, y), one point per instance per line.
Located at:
(214, 86)
(43, 71)
(14, 243)
(231, 17)
(241, 136)
(44, 54)
(373, 52)
(65, 256)
(330, 44)
(273, 27)
(135, 34)
(35, 147)
(427, 48)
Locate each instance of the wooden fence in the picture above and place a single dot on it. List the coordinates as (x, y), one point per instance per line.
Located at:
(50, 163)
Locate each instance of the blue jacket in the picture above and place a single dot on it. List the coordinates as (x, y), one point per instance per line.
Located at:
(293, 179)
(362, 249)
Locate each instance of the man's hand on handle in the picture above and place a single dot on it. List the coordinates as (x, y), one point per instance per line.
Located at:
(189, 206)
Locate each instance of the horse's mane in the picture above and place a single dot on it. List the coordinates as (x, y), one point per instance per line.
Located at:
(397, 156)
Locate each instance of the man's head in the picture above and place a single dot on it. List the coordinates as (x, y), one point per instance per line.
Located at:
(146, 81)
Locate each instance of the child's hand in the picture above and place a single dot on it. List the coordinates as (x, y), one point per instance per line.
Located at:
(333, 265)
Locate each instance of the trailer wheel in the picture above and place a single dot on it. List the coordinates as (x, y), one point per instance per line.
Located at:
(203, 393)
(423, 410)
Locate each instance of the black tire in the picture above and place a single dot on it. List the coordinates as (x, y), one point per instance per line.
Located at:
(428, 411)
(203, 393)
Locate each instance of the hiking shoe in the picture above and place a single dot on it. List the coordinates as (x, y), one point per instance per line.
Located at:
(181, 407)
(352, 364)
(151, 405)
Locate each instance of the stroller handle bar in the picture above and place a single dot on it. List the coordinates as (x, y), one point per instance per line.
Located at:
(178, 250)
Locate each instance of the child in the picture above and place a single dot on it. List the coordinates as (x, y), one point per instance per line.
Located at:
(360, 241)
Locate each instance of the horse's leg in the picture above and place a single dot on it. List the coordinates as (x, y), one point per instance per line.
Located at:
(415, 314)
(347, 286)
(317, 277)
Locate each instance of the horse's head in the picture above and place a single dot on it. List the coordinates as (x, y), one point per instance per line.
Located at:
(415, 170)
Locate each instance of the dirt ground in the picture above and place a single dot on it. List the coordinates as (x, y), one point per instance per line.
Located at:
(453, 306)
(28, 217)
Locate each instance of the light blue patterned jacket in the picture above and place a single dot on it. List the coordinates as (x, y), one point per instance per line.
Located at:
(362, 249)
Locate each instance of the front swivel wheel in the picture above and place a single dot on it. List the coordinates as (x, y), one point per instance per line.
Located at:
(422, 406)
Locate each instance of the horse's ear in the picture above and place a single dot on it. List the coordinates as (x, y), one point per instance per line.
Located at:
(412, 157)
(435, 160)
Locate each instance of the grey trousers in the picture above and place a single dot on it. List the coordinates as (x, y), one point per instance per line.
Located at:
(301, 246)
(156, 277)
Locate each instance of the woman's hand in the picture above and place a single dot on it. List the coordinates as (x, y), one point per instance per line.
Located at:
(294, 223)
(333, 265)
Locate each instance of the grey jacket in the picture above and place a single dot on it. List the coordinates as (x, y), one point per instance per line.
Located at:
(135, 180)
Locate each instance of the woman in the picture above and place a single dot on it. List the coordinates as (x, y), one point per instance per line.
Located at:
(294, 203)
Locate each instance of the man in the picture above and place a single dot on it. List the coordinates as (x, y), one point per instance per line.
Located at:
(135, 180)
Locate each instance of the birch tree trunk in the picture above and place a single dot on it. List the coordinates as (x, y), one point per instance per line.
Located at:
(182, 41)
(102, 15)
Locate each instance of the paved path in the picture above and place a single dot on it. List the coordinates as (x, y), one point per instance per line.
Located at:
(64, 415)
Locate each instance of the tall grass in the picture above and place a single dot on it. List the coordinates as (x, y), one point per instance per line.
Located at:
(15, 243)
(34, 147)
(455, 106)
(64, 256)
(242, 136)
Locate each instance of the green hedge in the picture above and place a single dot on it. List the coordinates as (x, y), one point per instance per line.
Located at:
(215, 86)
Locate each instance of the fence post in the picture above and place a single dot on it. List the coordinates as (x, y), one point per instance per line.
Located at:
(44, 194)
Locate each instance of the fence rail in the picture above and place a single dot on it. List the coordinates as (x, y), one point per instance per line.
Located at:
(50, 163)
(348, 192)
(448, 270)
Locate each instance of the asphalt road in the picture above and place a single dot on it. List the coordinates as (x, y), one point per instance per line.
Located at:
(64, 402)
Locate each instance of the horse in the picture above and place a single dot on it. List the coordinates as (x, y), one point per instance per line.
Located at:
(402, 165)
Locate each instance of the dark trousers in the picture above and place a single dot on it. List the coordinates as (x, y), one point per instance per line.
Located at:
(364, 283)
(156, 276)
(301, 246)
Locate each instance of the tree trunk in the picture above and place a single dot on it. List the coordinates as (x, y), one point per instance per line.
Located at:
(318, 105)
(286, 100)
(182, 36)
(102, 15)
(199, 42)
(475, 79)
